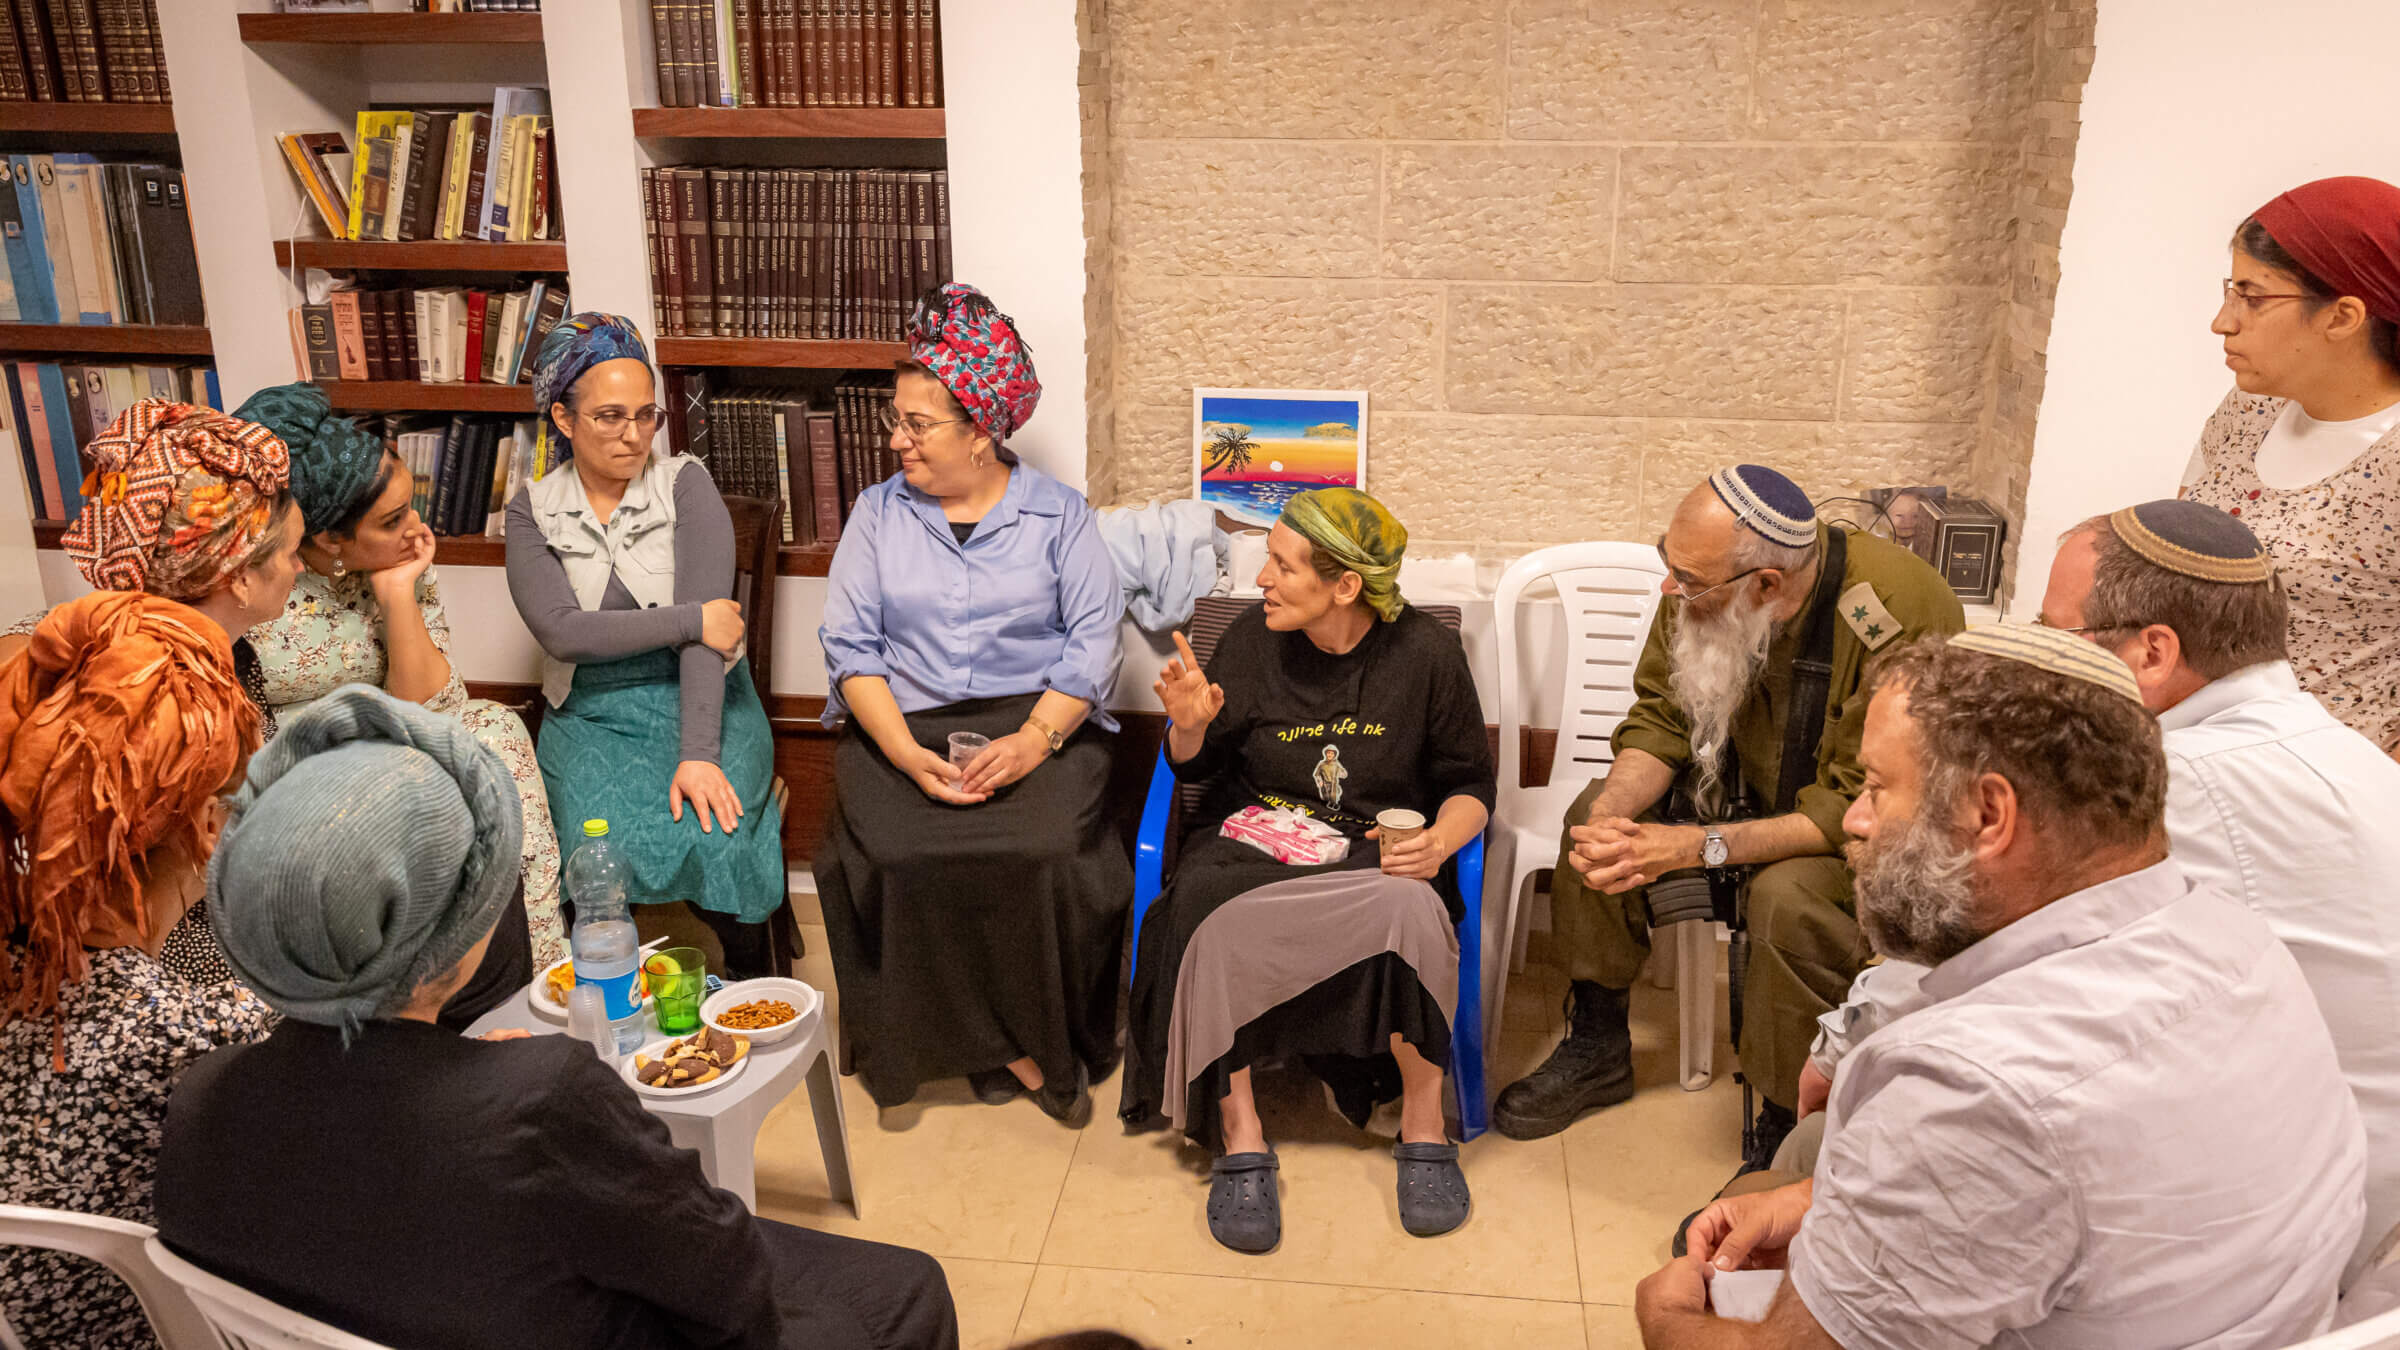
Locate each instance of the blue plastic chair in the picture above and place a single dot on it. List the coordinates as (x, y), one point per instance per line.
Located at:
(1466, 1026)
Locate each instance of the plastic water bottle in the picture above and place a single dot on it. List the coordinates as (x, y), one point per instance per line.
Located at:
(607, 949)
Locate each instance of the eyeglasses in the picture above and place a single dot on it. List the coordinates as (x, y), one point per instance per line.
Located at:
(891, 419)
(2251, 300)
(1693, 590)
(2088, 629)
(613, 420)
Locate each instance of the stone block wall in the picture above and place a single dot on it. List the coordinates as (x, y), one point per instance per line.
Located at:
(1579, 251)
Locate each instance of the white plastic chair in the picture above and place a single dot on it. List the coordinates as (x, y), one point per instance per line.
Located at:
(241, 1320)
(2376, 1333)
(1609, 593)
(118, 1244)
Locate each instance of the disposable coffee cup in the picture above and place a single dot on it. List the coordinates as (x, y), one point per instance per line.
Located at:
(1398, 825)
(965, 746)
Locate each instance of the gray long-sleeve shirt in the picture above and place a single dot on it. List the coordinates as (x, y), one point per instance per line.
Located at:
(619, 628)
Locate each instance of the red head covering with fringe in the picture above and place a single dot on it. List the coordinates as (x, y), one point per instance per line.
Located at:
(2347, 232)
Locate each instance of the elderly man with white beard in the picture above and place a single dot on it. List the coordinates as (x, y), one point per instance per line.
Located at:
(1739, 756)
(2119, 1119)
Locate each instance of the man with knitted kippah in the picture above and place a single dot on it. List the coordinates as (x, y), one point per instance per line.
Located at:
(1704, 778)
(2269, 798)
(2118, 1119)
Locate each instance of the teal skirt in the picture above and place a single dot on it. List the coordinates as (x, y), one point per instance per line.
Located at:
(611, 752)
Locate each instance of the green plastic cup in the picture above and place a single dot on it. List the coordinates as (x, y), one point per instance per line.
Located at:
(678, 982)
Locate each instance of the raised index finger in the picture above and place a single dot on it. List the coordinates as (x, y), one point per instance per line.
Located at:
(1184, 646)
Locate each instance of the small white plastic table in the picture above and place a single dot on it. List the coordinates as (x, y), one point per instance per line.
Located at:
(722, 1124)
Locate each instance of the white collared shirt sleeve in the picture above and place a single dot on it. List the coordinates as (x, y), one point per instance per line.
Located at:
(1942, 1215)
(1882, 994)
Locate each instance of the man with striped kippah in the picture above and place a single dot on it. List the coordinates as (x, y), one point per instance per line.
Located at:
(2118, 1119)
(2269, 798)
(1732, 769)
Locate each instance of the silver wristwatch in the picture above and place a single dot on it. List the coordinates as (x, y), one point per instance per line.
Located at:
(1713, 851)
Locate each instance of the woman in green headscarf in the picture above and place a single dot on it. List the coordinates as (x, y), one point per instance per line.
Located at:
(367, 609)
(1336, 701)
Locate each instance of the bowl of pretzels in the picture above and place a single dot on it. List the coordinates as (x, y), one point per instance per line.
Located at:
(764, 1010)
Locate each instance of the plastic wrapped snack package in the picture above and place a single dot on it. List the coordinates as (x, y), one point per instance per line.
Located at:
(1287, 835)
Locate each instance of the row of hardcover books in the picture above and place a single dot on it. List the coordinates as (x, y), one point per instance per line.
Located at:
(466, 468)
(441, 335)
(89, 242)
(434, 173)
(82, 51)
(51, 411)
(780, 445)
(797, 53)
(794, 253)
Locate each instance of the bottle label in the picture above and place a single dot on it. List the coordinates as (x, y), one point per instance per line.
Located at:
(619, 990)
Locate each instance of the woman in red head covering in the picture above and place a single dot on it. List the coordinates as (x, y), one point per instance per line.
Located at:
(2306, 449)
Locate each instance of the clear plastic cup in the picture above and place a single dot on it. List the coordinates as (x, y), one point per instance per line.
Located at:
(965, 746)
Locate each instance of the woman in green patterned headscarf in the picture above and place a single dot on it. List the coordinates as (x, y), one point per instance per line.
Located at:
(1349, 531)
(367, 609)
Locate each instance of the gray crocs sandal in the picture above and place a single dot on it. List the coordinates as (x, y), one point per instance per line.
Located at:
(1433, 1189)
(1244, 1212)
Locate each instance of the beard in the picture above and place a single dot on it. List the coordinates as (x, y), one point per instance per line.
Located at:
(1918, 899)
(1713, 663)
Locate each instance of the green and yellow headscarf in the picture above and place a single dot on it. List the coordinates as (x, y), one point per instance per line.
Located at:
(1360, 534)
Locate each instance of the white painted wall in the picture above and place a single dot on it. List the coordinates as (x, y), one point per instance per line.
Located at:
(2198, 111)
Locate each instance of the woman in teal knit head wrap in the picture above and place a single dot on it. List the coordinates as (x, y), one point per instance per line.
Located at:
(367, 609)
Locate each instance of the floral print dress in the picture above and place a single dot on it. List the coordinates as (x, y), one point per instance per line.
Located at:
(85, 1138)
(2337, 544)
(331, 634)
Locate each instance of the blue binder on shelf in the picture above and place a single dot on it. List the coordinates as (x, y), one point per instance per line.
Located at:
(64, 443)
(21, 239)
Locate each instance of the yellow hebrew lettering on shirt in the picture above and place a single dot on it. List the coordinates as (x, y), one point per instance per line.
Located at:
(1372, 729)
(1348, 726)
(1295, 733)
(1285, 803)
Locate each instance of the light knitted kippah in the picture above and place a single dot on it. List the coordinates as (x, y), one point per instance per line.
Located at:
(373, 845)
(2053, 650)
(2194, 540)
(1767, 502)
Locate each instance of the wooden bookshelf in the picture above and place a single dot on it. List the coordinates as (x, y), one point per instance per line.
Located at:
(105, 339)
(775, 353)
(474, 550)
(425, 255)
(49, 533)
(441, 30)
(865, 124)
(469, 550)
(123, 119)
(411, 396)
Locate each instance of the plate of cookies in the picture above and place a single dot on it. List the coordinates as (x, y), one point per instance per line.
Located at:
(683, 1065)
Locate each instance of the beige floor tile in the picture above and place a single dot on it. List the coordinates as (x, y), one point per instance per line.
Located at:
(1136, 1202)
(990, 1296)
(1610, 1326)
(1536, 997)
(1217, 1313)
(1635, 1170)
(944, 1173)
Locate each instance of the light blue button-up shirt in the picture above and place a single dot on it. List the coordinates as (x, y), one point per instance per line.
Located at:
(1029, 603)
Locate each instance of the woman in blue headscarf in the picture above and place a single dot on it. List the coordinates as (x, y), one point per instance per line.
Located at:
(621, 563)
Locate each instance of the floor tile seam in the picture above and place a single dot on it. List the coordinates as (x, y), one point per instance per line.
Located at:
(1316, 1284)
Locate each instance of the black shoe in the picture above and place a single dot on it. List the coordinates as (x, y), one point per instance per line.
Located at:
(1592, 1067)
(1765, 1136)
(1070, 1105)
(996, 1087)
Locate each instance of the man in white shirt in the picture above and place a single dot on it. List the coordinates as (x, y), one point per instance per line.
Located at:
(2119, 1120)
(2269, 798)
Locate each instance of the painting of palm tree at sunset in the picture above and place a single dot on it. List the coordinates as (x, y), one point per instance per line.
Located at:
(1253, 449)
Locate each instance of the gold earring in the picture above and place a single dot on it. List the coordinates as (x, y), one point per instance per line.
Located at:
(340, 568)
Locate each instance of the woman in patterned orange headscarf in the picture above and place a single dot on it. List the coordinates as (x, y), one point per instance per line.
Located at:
(120, 725)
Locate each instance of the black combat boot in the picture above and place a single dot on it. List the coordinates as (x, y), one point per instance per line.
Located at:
(1592, 1067)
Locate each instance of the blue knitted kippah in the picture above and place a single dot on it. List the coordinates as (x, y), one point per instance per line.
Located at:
(1767, 502)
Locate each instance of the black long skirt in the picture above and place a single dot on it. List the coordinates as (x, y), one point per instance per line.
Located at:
(965, 936)
(1340, 1028)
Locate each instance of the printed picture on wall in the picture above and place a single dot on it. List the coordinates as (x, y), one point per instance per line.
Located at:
(1254, 449)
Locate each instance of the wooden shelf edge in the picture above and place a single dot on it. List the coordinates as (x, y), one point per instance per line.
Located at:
(423, 255)
(127, 119)
(410, 396)
(866, 124)
(785, 354)
(475, 550)
(419, 29)
(105, 339)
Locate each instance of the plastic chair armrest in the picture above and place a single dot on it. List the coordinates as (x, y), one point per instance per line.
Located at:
(1150, 852)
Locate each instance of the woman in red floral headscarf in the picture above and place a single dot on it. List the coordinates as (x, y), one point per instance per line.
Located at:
(2306, 449)
(975, 900)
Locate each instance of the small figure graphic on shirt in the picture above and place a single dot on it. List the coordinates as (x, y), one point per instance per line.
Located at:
(1329, 775)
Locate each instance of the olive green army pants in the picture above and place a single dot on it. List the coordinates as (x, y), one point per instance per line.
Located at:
(1805, 948)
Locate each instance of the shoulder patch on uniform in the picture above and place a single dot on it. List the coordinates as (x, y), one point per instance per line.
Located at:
(1863, 610)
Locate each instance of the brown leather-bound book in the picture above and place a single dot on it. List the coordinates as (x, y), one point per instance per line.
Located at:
(61, 26)
(479, 151)
(854, 48)
(811, 17)
(749, 233)
(824, 480)
(941, 227)
(929, 51)
(659, 205)
(404, 313)
(371, 335)
(920, 240)
(912, 94)
(13, 87)
(723, 257)
(421, 195)
(158, 54)
(779, 57)
(691, 231)
(662, 51)
(684, 36)
(795, 272)
(118, 83)
(888, 51)
(870, 54)
(804, 254)
(84, 17)
(41, 59)
(662, 322)
(838, 186)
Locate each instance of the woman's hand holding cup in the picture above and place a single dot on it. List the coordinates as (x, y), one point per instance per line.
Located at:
(1184, 690)
(1407, 847)
(937, 777)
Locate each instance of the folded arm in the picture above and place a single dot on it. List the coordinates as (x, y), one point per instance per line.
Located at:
(537, 581)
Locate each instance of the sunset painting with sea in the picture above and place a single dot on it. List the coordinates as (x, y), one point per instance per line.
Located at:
(1252, 451)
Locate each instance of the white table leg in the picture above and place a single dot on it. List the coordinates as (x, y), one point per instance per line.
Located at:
(833, 1133)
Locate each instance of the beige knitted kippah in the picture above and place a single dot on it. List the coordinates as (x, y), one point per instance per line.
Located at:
(2053, 650)
(2194, 540)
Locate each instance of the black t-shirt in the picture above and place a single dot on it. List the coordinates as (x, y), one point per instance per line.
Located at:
(1393, 722)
